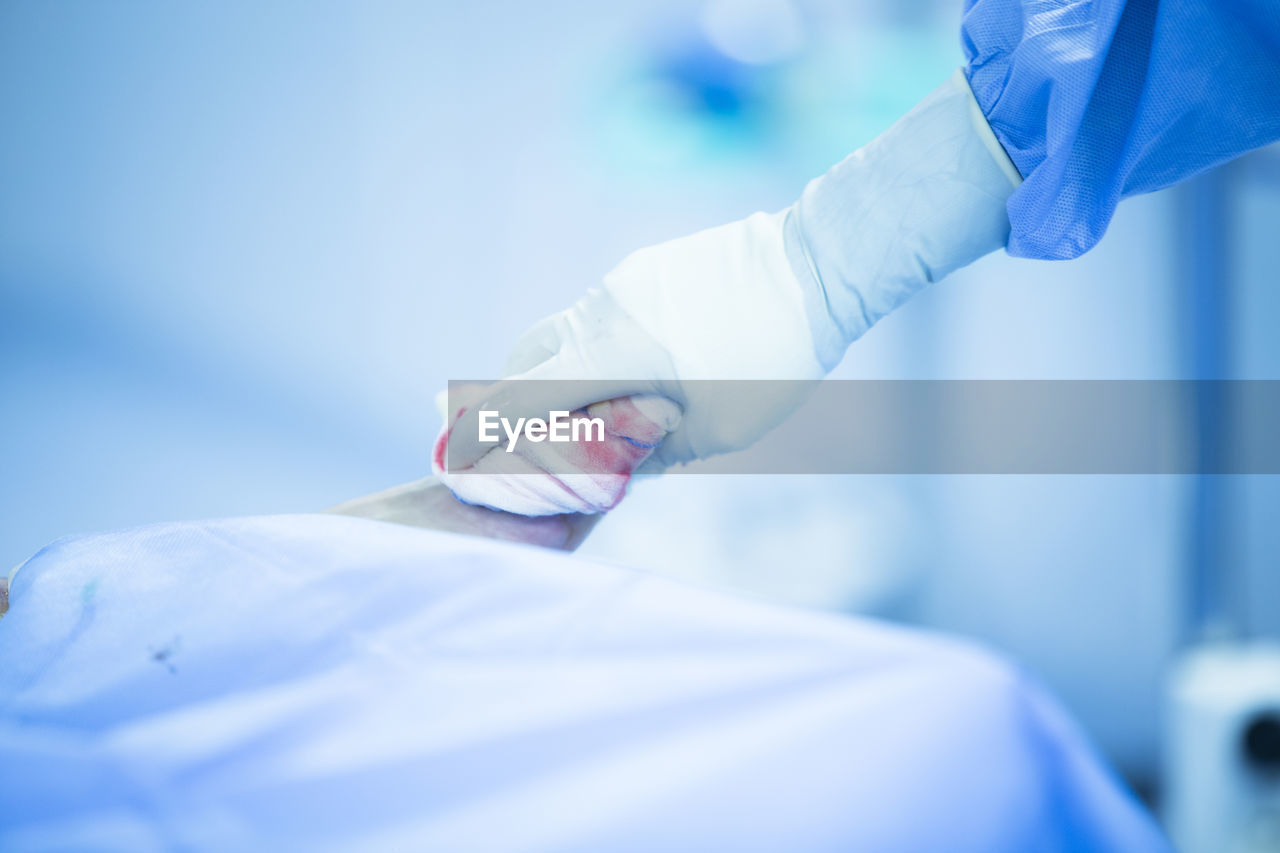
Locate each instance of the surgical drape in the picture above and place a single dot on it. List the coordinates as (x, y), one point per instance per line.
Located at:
(323, 682)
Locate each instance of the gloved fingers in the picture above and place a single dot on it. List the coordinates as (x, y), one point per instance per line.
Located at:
(458, 396)
(590, 353)
(538, 344)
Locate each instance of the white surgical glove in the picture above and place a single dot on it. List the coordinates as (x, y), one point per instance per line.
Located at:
(773, 296)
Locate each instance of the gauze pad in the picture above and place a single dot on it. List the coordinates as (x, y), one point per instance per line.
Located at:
(543, 477)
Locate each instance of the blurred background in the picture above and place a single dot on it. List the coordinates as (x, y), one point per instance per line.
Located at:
(243, 244)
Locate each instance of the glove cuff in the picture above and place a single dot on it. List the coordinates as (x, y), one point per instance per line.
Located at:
(921, 200)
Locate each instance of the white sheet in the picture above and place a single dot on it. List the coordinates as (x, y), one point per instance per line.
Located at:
(321, 682)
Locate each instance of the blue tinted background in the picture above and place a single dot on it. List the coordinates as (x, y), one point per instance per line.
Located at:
(243, 244)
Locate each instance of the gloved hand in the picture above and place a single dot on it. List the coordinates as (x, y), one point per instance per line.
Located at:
(719, 304)
(774, 296)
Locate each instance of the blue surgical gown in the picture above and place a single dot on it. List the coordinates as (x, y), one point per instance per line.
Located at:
(323, 682)
(1098, 100)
